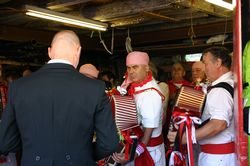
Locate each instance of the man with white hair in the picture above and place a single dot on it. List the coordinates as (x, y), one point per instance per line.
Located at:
(198, 72)
(148, 98)
(216, 135)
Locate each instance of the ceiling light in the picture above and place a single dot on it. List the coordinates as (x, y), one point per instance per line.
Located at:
(65, 18)
(223, 3)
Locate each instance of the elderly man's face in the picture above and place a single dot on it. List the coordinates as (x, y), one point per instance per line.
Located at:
(178, 72)
(211, 67)
(137, 73)
(198, 71)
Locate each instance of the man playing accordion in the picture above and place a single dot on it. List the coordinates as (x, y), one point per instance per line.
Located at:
(148, 99)
(216, 135)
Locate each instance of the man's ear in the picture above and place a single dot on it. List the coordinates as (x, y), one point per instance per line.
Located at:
(218, 62)
(76, 56)
(49, 53)
(79, 51)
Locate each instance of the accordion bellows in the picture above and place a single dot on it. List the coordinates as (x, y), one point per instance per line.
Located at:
(125, 113)
(190, 99)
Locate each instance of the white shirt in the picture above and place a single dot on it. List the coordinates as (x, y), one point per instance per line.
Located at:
(219, 105)
(149, 107)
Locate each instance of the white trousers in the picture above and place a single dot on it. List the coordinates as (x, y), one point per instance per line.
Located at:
(158, 155)
(206, 159)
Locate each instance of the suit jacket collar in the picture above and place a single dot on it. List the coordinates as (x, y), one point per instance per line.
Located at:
(58, 66)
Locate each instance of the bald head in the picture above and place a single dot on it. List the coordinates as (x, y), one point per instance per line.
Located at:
(26, 72)
(65, 45)
(198, 71)
(89, 70)
(67, 36)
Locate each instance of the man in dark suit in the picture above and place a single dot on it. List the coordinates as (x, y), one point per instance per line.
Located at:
(53, 113)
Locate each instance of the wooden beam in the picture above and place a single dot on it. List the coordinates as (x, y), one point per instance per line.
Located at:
(166, 18)
(169, 51)
(18, 34)
(150, 18)
(183, 13)
(159, 16)
(166, 35)
(65, 3)
(206, 7)
(144, 38)
(123, 8)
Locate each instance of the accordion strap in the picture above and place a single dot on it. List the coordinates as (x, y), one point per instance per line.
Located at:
(152, 88)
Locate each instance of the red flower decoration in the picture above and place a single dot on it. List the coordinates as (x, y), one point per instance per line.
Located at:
(113, 91)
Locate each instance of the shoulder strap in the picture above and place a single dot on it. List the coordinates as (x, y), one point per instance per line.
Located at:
(152, 88)
(226, 86)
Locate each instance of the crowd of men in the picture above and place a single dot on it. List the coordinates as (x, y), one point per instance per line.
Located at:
(53, 114)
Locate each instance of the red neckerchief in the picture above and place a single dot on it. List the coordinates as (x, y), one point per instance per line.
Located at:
(131, 90)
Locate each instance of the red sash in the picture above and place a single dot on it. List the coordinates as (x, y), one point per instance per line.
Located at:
(218, 148)
(156, 141)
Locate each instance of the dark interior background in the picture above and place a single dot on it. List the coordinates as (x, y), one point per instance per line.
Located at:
(165, 29)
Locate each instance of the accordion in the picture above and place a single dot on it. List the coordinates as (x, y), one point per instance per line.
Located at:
(190, 99)
(124, 111)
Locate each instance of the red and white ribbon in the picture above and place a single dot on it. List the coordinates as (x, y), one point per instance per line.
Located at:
(181, 118)
(176, 158)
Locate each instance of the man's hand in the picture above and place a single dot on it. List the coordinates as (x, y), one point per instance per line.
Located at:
(171, 136)
(119, 158)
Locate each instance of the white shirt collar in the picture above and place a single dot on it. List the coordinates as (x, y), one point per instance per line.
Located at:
(59, 61)
(223, 77)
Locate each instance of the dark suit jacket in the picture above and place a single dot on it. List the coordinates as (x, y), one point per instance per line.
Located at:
(53, 113)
